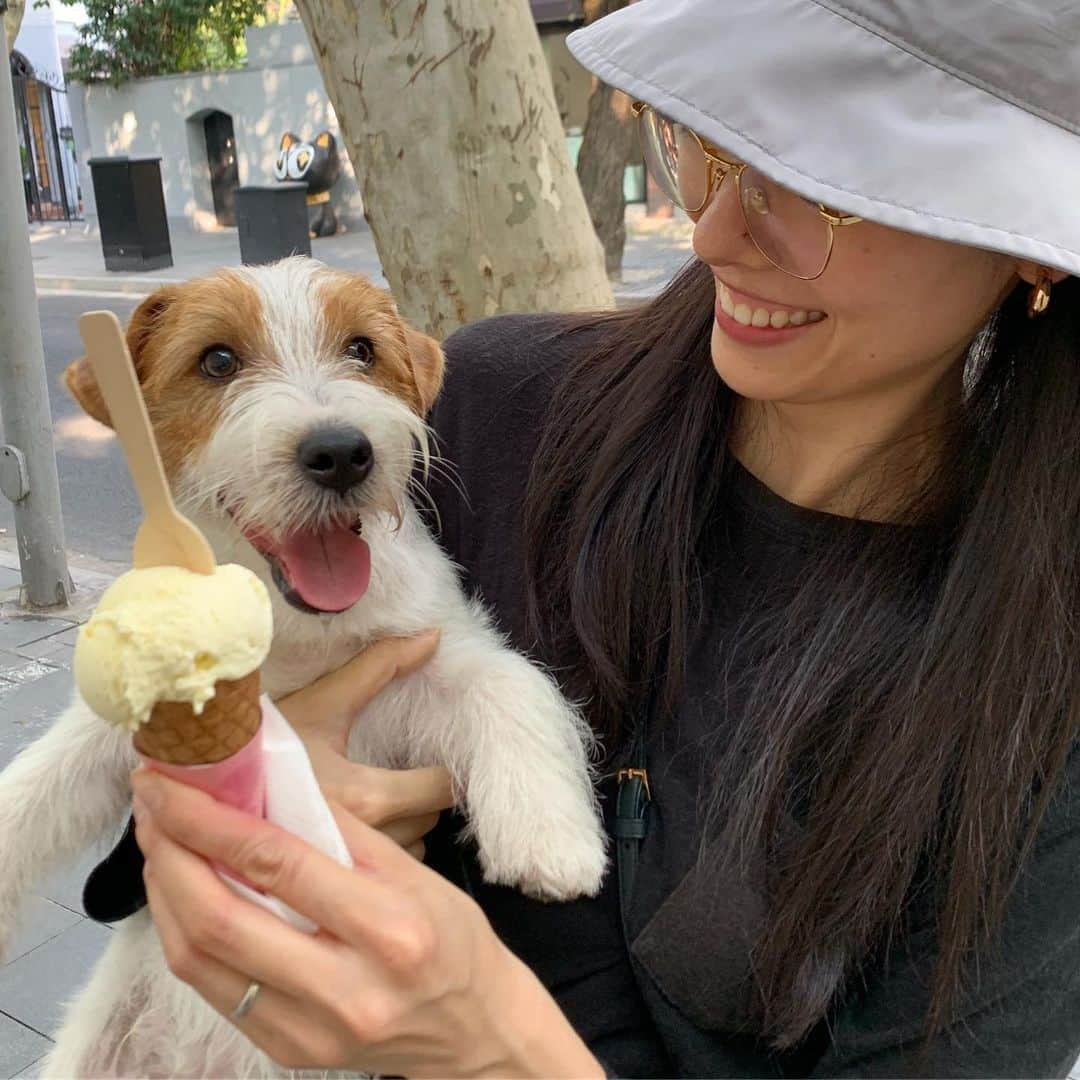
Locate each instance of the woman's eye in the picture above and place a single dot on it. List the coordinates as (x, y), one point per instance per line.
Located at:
(362, 351)
(219, 362)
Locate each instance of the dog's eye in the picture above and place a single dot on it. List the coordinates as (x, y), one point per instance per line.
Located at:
(219, 362)
(362, 351)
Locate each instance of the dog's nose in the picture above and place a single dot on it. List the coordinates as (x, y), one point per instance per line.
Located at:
(336, 458)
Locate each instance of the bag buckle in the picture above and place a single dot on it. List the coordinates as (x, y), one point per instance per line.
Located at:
(636, 774)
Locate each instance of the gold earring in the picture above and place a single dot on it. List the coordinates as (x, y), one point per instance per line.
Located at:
(1039, 299)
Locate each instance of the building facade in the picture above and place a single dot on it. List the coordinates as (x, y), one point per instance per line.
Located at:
(225, 128)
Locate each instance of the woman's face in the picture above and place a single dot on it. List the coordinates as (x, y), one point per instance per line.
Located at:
(891, 308)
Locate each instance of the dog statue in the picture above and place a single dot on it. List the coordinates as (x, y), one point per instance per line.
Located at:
(317, 164)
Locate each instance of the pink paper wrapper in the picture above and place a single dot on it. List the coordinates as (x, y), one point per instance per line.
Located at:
(238, 781)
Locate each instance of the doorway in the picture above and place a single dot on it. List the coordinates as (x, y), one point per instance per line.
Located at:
(46, 146)
(221, 157)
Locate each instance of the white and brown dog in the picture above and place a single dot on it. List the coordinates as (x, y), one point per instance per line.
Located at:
(288, 402)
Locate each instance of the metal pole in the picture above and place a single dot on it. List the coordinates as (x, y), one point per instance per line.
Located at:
(28, 462)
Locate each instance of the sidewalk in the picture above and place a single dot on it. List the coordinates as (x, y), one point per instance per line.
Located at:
(68, 258)
(57, 945)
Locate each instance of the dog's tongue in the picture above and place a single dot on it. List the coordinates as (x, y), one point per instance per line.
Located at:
(329, 570)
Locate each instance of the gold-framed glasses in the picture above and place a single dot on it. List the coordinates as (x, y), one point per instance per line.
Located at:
(794, 234)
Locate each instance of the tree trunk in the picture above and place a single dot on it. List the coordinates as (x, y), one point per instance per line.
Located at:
(13, 20)
(606, 149)
(449, 117)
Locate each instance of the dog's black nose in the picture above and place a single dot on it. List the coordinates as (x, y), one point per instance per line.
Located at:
(336, 458)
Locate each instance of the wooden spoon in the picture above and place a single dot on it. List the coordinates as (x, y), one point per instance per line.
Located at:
(166, 537)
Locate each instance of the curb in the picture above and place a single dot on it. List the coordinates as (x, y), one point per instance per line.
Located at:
(142, 286)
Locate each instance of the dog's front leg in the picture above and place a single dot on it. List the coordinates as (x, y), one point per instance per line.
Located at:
(59, 795)
(518, 752)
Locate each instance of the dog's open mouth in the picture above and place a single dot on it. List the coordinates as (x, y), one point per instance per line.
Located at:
(320, 571)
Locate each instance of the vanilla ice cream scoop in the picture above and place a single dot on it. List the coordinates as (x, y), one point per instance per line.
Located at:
(166, 634)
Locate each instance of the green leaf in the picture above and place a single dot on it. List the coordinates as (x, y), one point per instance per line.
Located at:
(135, 39)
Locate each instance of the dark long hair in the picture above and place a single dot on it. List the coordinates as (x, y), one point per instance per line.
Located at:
(928, 724)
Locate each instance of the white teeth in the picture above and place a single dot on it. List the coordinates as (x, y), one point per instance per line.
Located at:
(762, 317)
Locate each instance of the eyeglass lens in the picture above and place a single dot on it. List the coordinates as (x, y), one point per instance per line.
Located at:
(789, 231)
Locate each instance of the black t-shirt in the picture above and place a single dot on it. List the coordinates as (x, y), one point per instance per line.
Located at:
(676, 1002)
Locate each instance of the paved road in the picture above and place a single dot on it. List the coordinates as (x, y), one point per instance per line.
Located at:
(101, 511)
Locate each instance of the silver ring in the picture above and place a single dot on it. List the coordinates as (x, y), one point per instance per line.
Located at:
(246, 1002)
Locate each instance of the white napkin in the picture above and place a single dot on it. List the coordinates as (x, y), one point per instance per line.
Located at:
(295, 802)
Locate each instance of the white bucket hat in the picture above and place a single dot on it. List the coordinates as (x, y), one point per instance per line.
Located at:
(957, 119)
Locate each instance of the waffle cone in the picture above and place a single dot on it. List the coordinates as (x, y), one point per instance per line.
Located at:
(174, 734)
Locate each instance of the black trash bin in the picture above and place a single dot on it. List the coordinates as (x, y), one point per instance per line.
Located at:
(131, 213)
(272, 220)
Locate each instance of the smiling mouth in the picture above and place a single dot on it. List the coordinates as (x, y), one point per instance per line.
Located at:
(317, 571)
(763, 316)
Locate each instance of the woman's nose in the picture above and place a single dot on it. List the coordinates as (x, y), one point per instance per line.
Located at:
(720, 233)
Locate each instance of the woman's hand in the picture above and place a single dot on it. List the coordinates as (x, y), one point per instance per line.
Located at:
(405, 977)
(404, 804)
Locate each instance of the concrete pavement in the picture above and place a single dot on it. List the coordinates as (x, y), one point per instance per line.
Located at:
(57, 945)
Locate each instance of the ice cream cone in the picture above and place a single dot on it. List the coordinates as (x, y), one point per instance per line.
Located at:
(176, 735)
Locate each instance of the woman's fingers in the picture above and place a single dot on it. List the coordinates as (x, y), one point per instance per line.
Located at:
(381, 796)
(211, 920)
(406, 832)
(374, 907)
(343, 693)
(283, 1026)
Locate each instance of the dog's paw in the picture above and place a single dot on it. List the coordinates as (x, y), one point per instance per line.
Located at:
(548, 860)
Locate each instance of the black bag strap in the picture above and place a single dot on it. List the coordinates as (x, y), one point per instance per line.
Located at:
(631, 817)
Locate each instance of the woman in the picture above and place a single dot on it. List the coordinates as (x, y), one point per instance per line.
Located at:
(804, 532)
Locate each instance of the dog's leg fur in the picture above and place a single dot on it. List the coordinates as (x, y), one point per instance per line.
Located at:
(63, 793)
(517, 752)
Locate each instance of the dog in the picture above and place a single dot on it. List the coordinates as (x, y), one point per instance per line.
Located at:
(288, 403)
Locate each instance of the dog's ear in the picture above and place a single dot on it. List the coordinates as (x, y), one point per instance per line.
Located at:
(428, 366)
(144, 324)
(81, 384)
(79, 375)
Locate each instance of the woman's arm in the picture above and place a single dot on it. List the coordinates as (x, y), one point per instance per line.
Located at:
(406, 976)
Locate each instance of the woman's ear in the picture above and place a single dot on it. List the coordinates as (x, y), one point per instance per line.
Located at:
(428, 366)
(1029, 271)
